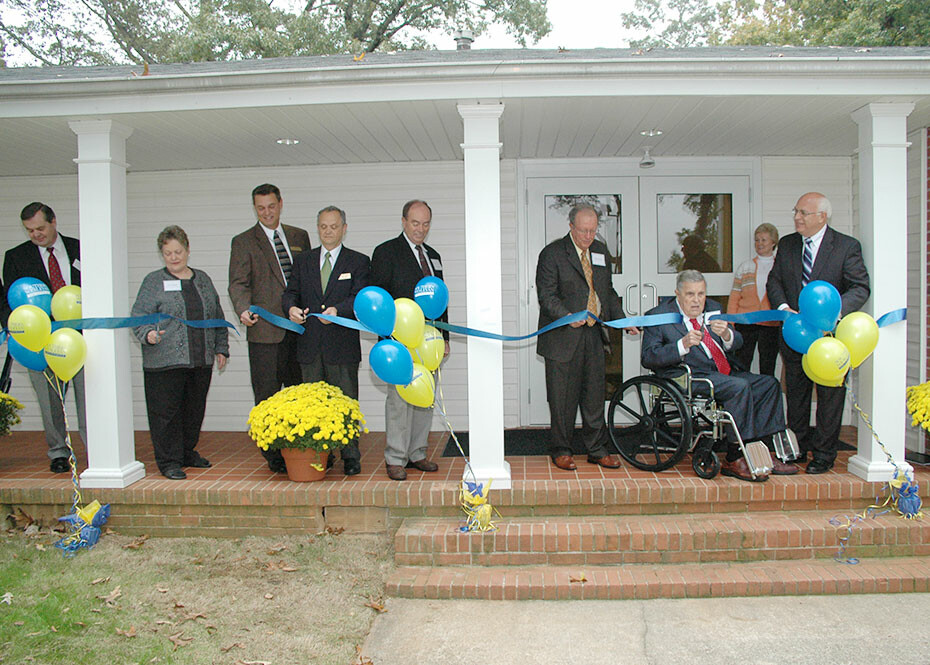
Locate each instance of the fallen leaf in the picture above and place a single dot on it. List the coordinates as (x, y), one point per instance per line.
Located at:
(127, 633)
(178, 640)
(178, 603)
(110, 599)
(53, 629)
(279, 547)
(33, 634)
(161, 590)
(40, 547)
(234, 645)
(209, 626)
(80, 623)
(164, 622)
(95, 610)
(253, 662)
(22, 519)
(7, 598)
(136, 544)
(288, 569)
(100, 580)
(32, 530)
(193, 617)
(581, 578)
(377, 605)
(198, 561)
(19, 623)
(269, 596)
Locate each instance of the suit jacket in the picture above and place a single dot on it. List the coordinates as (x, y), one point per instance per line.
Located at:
(839, 262)
(255, 277)
(563, 289)
(339, 345)
(396, 270)
(24, 260)
(660, 344)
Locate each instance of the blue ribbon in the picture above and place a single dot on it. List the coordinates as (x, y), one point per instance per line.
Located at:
(276, 320)
(749, 318)
(114, 322)
(893, 316)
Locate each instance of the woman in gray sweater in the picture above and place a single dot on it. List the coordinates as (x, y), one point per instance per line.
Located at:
(177, 360)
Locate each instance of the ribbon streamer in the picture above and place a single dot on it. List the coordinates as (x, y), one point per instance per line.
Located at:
(114, 322)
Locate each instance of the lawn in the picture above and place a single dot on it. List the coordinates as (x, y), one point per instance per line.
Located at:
(298, 599)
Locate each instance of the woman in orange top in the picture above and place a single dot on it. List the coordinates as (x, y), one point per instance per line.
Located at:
(748, 295)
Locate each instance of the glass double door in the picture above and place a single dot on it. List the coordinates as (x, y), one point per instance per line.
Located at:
(653, 227)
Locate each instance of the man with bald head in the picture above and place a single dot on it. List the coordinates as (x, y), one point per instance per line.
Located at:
(815, 252)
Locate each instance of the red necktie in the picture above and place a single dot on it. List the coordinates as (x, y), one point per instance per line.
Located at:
(54, 271)
(424, 266)
(720, 360)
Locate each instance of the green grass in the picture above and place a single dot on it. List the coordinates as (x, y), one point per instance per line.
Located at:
(229, 600)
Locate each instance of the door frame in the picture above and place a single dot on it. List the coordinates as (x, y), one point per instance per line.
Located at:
(607, 168)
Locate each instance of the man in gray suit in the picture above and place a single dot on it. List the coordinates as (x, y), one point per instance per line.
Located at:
(260, 264)
(573, 274)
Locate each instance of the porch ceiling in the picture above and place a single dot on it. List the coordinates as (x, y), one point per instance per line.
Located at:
(596, 126)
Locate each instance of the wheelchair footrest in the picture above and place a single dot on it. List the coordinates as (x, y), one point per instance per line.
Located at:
(786, 445)
(758, 458)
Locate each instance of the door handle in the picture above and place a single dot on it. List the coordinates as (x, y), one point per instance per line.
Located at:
(655, 293)
(628, 299)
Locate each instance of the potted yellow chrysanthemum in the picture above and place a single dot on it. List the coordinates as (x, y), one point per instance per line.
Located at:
(9, 413)
(306, 422)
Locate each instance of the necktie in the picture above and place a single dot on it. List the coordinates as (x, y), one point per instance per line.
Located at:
(807, 261)
(326, 271)
(424, 265)
(54, 271)
(593, 302)
(283, 257)
(720, 360)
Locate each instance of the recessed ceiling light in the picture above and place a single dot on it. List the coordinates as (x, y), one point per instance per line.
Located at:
(651, 132)
(288, 141)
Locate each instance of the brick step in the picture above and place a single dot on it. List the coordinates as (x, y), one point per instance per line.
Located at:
(558, 541)
(769, 578)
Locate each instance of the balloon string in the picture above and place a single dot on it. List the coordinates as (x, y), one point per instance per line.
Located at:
(440, 404)
(56, 385)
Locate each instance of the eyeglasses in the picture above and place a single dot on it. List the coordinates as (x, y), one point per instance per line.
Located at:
(585, 232)
(804, 213)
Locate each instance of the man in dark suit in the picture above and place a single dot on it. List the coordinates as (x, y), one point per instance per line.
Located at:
(326, 280)
(396, 266)
(56, 260)
(260, 263)
(816, 251)
(572, 275)
(754, 400)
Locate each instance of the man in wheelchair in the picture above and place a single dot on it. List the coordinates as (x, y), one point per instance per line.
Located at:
(754, 400)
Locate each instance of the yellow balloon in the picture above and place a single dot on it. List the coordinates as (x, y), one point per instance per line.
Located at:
(421, 390)
(431, 350)
(408, 322)
(65, 353)
(816, 379)
(66, 303)
(828, 358)
(859, 332)
(30, 326)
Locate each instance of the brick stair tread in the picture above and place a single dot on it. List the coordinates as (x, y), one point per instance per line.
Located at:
(626, 539)
(770, 578)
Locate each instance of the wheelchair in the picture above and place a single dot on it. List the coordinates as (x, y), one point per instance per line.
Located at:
(654, 421)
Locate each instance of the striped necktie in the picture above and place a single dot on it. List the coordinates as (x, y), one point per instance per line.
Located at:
(807, 261)
(283, 258)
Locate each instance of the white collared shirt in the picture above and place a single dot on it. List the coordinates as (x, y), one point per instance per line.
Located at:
(682, 351)
(61, 255)
(816, 241)
(333, 255)
(416, 254)
(280, 232)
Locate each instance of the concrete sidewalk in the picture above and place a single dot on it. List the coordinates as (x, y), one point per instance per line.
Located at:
(851, 629)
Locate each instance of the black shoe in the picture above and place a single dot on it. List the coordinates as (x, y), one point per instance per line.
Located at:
(330, 460)
(351, 467)
(174, 473)
(197, 461)
(277, 466)
(819, 466)
(59, 465)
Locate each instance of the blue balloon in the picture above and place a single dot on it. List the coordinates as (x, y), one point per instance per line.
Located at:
(28, 359)
(432, 295)
(799, 334)
(30, 291)
(820, 304)
(391, 362)
(374, 307)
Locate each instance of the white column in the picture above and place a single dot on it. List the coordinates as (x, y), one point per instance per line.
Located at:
(883, 233)
(484, 307)
(105, 292)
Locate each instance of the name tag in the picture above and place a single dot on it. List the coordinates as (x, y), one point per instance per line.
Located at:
(345, 275)
(598, 259)
(437, 265)
(76, 264)
(172, 284)
(296, 249)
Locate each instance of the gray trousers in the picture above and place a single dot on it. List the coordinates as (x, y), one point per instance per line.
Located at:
(53, 419)
(406, 430)
(344, 377)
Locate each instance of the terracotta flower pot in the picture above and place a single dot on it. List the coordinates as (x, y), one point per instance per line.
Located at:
(300, 461)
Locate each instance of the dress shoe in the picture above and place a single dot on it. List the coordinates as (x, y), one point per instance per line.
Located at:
(174, 473)
(564, 462)
(396, 472)
(607, 461)
(351, 467)
(59, 465)
(277, 466)
(819, 466)
(423, 465)
(197, 461)
(740, 469)
(780, 468)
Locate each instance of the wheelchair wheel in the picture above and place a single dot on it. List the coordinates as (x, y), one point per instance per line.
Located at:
(705, 463)
(649, 423)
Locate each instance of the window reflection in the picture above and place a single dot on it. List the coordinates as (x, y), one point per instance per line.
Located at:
(695, 232)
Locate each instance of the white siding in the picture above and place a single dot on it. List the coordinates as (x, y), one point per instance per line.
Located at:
(785, 179)
(916, 272)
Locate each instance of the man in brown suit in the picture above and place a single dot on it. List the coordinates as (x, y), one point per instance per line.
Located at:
(260, 264)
